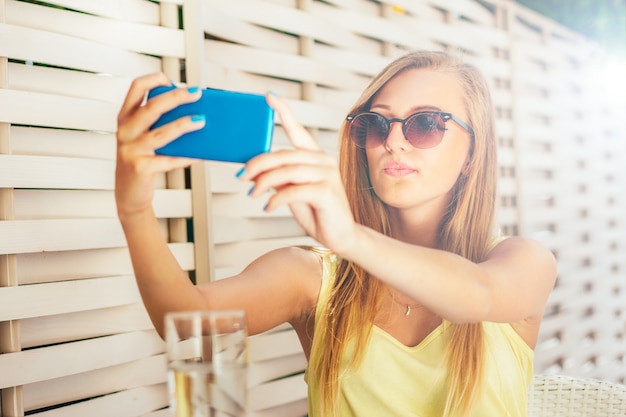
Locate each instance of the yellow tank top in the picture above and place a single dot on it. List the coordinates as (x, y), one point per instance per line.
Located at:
(401, 381)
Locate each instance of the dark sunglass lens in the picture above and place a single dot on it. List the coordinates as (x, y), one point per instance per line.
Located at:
(368, 130)
(424, 130)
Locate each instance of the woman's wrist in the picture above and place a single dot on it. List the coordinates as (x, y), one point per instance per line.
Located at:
(352, 245)
(128, 218)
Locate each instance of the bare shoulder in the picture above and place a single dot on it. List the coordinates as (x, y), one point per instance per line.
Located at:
(299, 262)
(297, 270)
(530, 268)
(280, 286)
(527, 259)
(516, 248)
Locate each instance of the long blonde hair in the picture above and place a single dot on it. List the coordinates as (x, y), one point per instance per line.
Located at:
(466, 229)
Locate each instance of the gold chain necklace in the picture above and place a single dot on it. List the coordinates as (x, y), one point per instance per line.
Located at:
(408, 306)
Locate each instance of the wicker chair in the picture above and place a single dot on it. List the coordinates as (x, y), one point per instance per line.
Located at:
(566, 396)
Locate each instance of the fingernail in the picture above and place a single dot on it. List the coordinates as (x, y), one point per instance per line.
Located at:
(198, 118)
(273, 94)
(172, 83)
(193, 90)
(265, 207)
(240, 172)
(251, 190)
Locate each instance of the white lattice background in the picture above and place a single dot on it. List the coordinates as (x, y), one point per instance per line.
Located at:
(74, 338)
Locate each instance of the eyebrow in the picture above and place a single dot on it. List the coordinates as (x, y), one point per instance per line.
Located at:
(412, 110)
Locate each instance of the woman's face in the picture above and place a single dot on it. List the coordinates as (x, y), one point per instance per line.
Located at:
(408, 178)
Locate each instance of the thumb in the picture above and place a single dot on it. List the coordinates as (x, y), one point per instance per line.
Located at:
(299, 137)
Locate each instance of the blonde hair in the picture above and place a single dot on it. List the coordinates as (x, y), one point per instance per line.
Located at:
(466, 229)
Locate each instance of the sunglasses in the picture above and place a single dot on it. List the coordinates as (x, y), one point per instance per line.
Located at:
(422, 130)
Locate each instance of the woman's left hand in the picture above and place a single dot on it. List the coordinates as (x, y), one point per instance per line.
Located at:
(307, 180)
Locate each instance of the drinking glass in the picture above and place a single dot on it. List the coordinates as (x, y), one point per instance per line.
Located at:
(207, 357)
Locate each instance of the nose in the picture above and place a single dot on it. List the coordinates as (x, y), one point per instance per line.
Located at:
(396, 140)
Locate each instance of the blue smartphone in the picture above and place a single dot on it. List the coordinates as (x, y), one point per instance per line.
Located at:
(238, 126)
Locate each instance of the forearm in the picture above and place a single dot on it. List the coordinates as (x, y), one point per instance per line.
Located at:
(445, 283)
(163, 285)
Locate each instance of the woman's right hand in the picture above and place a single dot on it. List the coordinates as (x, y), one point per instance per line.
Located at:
(137, 164)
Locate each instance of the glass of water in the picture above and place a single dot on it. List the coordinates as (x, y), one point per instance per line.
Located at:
(207, 358)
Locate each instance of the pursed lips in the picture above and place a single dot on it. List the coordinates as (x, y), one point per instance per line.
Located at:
(397, 169)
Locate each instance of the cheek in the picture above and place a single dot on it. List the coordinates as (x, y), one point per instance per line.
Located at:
(371, 156)
(447, 167)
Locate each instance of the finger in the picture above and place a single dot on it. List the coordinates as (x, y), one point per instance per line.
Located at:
(137, 92)
(150, 165)
(290, 175)
(145, 116)
(272, 160)
(299, 137)
(297, 194)
(165, 134)
(164, 163)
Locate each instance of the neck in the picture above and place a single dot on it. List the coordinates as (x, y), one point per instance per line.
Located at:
(409, 229)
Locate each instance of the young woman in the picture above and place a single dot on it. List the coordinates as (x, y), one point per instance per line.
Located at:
(414, 307)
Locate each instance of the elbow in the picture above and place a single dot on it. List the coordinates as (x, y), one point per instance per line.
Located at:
(159, 327)
(475, 306)
(161, 332)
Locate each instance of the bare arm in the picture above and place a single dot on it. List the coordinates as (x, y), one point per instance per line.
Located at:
(512, 284)
(279, 287)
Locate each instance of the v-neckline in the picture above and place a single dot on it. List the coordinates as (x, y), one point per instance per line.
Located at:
(422, 344)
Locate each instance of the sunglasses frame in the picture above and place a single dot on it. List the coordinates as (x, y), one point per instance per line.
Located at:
(444, 116)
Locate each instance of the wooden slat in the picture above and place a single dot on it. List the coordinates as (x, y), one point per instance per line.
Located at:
(56, 111)
(230, 229)
(377, 27)
(230, 205)
(315, 115)
(270, 370)
(130, 10)
(41, 172)
(66, 82)
(147, 371)
(278, 392)
(50, 48)
(137, 37)
(233, 28)
(64, 143)
(468, 8)
(21, 368)
(62, 328)
(272, 345)
(242, 253)
(290, 20)
(293, 409)
(67, 204)
(131, 403)
(280, 65)
(162, 413)
(23, 236)
(41, 267)
(27, 301)
(236, 80)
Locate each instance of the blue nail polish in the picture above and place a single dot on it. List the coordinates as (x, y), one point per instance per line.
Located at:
(265, 207)
(193, 90)
(198, 118)
(240, 172)
(251, 190)
(273, 94)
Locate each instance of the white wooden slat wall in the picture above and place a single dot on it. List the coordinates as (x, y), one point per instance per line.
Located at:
(74, 338)
(570, 150)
